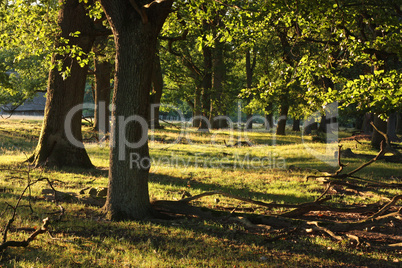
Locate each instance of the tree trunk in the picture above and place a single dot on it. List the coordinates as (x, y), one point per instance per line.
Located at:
(376, 138)
(323, 124)
(269, 117)
(60, 144)
(206, 89)
(366, 127)
(218, 78)
(157, 88)
(399, 123)
(250, 65)
(282, 120)
(135, 33)
(391, 127)
(296, 125)
(103, 71)
(197, 108)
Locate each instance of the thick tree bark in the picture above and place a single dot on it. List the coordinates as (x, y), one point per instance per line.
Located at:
(280, 130)
(135, 29)
(157, 88)
(59, 144)
(377, 138)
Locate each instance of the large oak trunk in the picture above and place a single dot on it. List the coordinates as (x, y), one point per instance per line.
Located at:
(60, 141)
(135, 31)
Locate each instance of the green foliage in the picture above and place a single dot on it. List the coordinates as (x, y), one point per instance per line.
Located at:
(20, 80)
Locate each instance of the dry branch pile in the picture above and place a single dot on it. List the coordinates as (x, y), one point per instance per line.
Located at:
(375, 224)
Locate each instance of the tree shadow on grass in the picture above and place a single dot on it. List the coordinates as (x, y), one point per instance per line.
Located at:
(243, 192)
(186, 241)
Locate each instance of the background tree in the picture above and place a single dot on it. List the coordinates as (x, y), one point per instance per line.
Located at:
(66, 90)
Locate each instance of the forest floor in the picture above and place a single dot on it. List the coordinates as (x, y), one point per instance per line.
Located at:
(244, 220)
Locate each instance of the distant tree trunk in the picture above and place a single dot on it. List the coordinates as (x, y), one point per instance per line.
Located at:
(296, 125)
(218, 78)
(399, 123)
(269, 117)
(157, 88)
(60, 145)
(366, 127)
(103, 72)
(197, 108)
(309, 128)
(250, 65)
(391, 127)
(206, 89)
(280, 130)
(323, 124)
(249, 126)
(377, 138)
(135, 31)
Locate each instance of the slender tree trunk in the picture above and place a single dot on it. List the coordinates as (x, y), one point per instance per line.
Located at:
(103, 71)
(135, 33)
(377, 138)
(250, 65)
(197, 108)
(282, 120)
(60, 141)
(157, 88)
(218, 78)
(269, 117)
(206, 89)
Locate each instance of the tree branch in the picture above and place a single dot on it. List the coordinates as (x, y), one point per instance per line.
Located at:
(140, 11)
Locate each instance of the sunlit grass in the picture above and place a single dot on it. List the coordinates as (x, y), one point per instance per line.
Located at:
(273, 170)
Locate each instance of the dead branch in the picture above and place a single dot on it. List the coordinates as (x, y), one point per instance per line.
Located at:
(269, 205)
(26, 242)
(5, 244)
(338, 178)
(322, 229)
(173, 125)
(387, 141)
(385, 208)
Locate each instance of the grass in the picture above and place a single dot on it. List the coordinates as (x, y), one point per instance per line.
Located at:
(273, 170)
